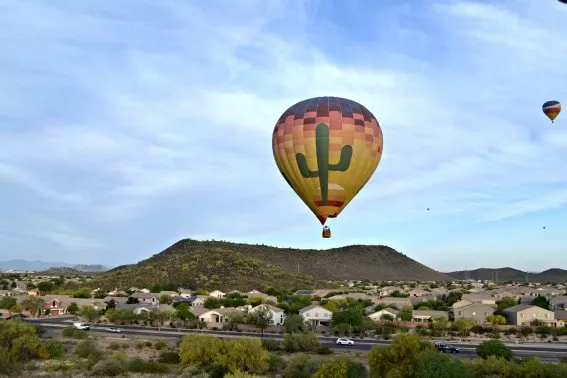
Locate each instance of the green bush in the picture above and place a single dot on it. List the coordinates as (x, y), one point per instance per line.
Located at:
(323, 350)
(169, 357)
(57, 366)
(159, 345)
(300, 342)
(147, 367)
(272, 345)
(431, 364)
(277, 363)
(494, 348)
(114, 346)
(108, 368)
(300, 367)
(55, 349)
(74, 333)
(88, 349)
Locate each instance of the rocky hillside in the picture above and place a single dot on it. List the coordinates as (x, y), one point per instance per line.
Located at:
(229, 264)
(554, 275)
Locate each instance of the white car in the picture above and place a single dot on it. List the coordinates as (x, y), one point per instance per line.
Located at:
(83, 326)
(114, 330)
(344, 341)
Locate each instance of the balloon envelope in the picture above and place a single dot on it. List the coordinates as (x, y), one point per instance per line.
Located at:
(551, 109)
(327, 148)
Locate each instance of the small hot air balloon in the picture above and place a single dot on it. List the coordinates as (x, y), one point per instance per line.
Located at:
(327, 148)
(551, 109)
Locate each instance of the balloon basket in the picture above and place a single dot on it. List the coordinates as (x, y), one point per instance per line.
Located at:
(326, 233)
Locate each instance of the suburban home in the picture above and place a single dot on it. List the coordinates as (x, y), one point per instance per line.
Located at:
(29, 292)
(167, 292)
(116, 300)
(258, 294)
(558, 303)
(526, 299)
(184, 292)
(428, 315)
(278, 315)
(387, 290)
(198, 300)
(316, 315)
(6, 293)
(520, 315)
(479, 298)
(180, 299)
(57, 304)
(146, 298)
(217, 315)
(398, 303)
(389, 312)
(217, 294)
(418, 292)
(460, 303)
(560, 318)
(476, 311)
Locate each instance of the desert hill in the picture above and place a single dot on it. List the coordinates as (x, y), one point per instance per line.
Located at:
(188, 260)
(554, 275)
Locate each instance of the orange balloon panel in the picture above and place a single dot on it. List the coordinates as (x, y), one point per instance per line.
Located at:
(327, 148)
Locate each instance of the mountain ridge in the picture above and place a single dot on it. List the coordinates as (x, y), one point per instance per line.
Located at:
(554, 275)
(39, 265)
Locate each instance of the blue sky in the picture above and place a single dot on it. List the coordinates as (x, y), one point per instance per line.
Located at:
(126, 126)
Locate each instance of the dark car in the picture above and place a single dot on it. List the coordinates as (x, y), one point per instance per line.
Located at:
(446, 348)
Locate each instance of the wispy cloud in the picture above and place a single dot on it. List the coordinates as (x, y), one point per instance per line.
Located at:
(155, 118)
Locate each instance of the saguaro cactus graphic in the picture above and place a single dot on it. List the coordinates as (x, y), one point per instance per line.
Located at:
(323, 165)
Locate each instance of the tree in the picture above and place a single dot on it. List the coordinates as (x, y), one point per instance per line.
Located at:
(111, 304)
(496, 319)
(7, 302)
(73, 308)
(464, 326)
(453, 297)
(339, 368)
(89, 313)
(504, 303)
(262, 318)
(440, 324)
(431, 364)
(45, 287)
(160, 317)
(293, 323)
(399, 358)
(212, 303)
(165, 299)
(13, 285)
(234, 318)
(19, 343)
(406, 313)
(541, 301)
(494, 348)
(182, 312)
(33, 304)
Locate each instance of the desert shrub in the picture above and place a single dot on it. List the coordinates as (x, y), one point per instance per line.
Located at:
(300, 342)
(494, 348)
(57, 366)
(169, 357)
(119, 356)
(217, 371)
(88, 349)
(74, 333)
(160, 345)
(108, 368)
(147, 367)
(431, 364)
(55, 349)
(272, 345)
(399, 358)
(323, 350)
(114, 346)
(276, 363)
(339, 368)
(300, 367)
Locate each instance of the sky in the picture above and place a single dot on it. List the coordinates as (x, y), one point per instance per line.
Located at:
(128, 125)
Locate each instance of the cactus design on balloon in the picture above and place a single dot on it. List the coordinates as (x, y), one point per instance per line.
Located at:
(323, 165)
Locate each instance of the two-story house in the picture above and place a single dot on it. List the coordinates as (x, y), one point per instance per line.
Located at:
(476, 311)
(521, 315)
(316, 315)
(277, 314)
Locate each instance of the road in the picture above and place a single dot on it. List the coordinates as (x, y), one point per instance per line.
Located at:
(547, 352)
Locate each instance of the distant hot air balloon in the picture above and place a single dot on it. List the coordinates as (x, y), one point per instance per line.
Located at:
(327, 148)
(551, 109)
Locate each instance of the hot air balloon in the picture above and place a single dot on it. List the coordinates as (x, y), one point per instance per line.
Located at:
(551, 109)
(327, 148)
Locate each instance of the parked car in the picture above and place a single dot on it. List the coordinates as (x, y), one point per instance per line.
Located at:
(83, 326)
(446, 348)
(113, 330)
(344, 341)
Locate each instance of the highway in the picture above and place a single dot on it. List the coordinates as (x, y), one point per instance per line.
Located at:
(547, 352)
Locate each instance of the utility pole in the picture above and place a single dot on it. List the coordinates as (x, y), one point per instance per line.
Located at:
(297, 266)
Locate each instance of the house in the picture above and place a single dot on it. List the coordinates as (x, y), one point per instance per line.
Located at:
(180, 299)
(217, 294)
(560, 318)
(476, 311)
(198, 300)
(316, 315)
(398, 303)
(520, 315)
(558, 303)
(57, 304)
(184, 292)
(387, 290)
(387, 312)
(428, 315)
(168, 293)
(278, 315)
(146, 298)
(115, 299)
(217, 315)
(479, 298)
(461, 303)
(6, 293)
(258, 294)
(418, 292)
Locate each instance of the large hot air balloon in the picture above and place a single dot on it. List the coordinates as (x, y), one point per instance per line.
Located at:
(327, 148)
(551, 109)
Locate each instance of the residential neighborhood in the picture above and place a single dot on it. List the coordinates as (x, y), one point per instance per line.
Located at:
(409, 303)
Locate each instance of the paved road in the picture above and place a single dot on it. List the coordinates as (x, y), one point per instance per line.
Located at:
(548, 353)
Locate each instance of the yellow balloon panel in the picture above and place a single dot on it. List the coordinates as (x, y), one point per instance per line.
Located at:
(327, 148)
